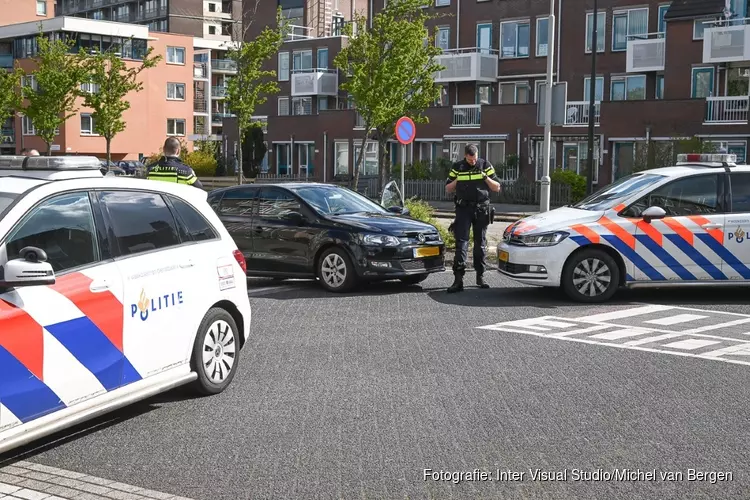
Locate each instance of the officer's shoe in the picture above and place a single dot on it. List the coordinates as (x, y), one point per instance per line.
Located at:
(457, 286)
(480, 281)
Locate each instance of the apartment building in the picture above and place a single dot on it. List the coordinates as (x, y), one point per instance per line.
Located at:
(664, 71)
(163, 108)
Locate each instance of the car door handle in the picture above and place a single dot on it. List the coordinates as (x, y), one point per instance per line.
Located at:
(712, 226)
(101, 285)
(187, 263)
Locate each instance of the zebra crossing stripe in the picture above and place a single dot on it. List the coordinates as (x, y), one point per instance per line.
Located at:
(624, 313)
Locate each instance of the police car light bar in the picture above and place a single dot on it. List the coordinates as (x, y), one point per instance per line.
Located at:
(706, 158)
(49, 163)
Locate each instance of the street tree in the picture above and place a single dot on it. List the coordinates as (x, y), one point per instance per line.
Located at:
(390, 72)
(253, 83)
(57, 78)
(111, 81)
(10, 93)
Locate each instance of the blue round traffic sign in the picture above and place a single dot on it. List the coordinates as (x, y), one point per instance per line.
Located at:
(405, 130)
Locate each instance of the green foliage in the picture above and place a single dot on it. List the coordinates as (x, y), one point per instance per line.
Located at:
(58, 75)
(253, 84)
(390, 69)
(114, 80)
(155, 157)
(10, 95)
(423, 211)
(202, 162)
(576, 182)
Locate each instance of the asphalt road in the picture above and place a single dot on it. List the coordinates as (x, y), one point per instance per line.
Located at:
(355, 396)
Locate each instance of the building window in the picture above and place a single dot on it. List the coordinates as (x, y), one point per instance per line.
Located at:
(514, 39)
(301, 106)
(322, 58)
(514, 93)
(599, 95)
(283, 106)
(699, 27)
(176, 91)
(176, 55)
(341, 158)
(87, 124)
(369, 164)
(89, 88)
(628, 23)
(41, 7)
(702, 85)
(484, 37)
(443, 38)
(662, 26)
(542, 35)
(496, 156)
(27, 126)
(659, 87)
(322, 103)
(302, 60)
(601, 20)
(283, 66)
(212, 30)
(628, 88)
(212, 7)
(175, 126)
(442, 3)
(483, 94)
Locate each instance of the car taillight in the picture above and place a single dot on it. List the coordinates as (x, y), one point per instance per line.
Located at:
(240, 260)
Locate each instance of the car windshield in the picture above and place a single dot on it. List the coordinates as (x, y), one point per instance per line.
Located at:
(5, 200)
(609, 196)
(337, 200)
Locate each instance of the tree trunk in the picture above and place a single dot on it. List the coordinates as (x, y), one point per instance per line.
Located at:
(384, 163)
(239, 153)
(49, 148)
(109, 155)
(354, 182)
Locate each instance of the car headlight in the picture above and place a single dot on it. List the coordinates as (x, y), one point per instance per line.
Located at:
(380, 240)
(542, 240)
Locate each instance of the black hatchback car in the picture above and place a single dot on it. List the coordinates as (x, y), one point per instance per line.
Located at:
(311, 230)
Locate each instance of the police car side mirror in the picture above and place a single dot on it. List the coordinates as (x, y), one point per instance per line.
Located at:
(653, 213)
(31, 269)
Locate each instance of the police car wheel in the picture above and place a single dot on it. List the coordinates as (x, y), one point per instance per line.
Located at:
(216, 352)
(591, 276)
(414, 279)
(335, 271)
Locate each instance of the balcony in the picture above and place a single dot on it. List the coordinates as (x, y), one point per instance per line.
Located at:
(467, 116)
(218, 118)
(726, 41)
(467, 65)
(200, 106)
(153, 13)
(315, 81)
(223, 66)
(8, 136)
(297, 32)
(729, 110)
(577, 113)
(200, 71)
(646, 53)
(219, 92)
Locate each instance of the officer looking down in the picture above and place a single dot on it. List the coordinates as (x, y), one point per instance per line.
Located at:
(169, 168)
(471, 179)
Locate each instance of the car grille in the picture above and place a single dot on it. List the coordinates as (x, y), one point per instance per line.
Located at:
(414, 265)
(413, 237)
(513, 268)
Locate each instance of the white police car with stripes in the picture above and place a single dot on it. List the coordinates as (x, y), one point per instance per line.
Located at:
(112, 290)
(680, 225)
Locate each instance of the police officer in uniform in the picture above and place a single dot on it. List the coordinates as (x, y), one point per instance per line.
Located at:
(169, 168)
(471, 179)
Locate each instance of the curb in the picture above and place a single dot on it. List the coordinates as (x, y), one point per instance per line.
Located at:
(498, 217)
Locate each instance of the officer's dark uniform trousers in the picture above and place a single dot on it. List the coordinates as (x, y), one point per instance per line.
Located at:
(473, 211)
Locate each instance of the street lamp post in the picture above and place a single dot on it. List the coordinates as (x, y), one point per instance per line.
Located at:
(544, 201)
(592, 102)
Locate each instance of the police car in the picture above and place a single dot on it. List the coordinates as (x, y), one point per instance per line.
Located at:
(112, 289)
(673, 226)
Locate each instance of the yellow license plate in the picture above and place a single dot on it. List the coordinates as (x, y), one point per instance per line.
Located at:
(426, 252)
(503, 256)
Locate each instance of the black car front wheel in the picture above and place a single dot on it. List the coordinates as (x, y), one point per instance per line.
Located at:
(336, 271)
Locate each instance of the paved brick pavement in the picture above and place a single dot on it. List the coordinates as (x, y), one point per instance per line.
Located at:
(29, 481)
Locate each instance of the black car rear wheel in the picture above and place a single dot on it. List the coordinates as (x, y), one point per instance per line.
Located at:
(335, 271)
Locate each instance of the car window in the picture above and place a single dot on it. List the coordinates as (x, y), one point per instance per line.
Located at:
(275, 203)
(611, 195)
(63, 227)
(694, 195)
(5, 200)
(193, 226)
(140, 221)
(238, 201)
(740, 192)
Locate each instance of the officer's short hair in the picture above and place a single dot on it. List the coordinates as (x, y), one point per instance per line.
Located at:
(471, 150)
(171, 146)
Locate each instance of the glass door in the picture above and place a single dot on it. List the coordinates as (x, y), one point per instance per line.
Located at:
(283, 159)
(570, 157)
(484, 37)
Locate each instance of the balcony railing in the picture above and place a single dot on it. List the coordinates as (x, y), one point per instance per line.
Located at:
(8, 136)
(219, 92)
(200, 106)
(315, 81)
(646, 53)
(577, 113)
(217, 118)
(467, 116)
(200, 70)
(729, 110)
(297, 32)
(223, 65)
(151, 14)
(467, 65)
(726, 41)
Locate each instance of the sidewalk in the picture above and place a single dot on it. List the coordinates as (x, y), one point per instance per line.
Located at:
(503, 212)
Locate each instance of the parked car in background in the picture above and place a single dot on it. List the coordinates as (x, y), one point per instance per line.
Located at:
(328, 232)
(131, 167)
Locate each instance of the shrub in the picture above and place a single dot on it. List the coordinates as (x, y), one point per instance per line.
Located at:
(576, 182)
(421, 210)
(202, 162)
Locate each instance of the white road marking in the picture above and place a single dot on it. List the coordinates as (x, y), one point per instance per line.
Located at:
(624, 313)
(719, 326)
(658, 338)
(735, 350)
(596, 328)
(620, 334)
(691, 344)
(675, 320)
